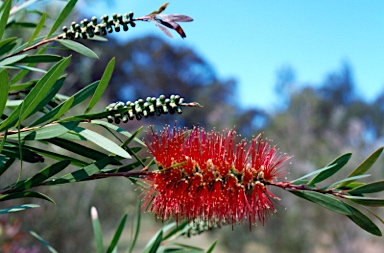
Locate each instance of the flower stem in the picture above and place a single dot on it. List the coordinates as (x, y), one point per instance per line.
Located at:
(292, 187)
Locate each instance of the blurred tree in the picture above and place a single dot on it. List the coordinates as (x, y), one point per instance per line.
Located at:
(149, 66)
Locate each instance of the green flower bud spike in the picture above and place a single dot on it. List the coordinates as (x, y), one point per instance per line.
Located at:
(88, 29)
(151, 106)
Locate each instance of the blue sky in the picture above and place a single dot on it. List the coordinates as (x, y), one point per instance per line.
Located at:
(251, 40)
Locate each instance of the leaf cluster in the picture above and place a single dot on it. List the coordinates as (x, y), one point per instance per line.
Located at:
(346, 195)
(36, 123)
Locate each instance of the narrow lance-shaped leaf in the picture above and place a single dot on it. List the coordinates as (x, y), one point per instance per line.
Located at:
(366, 201)
(27, 194)
(300, 180)
(324, 200)
(48, 131)
(363, 221)
(9, 43)
(64, 108)
(137, 230)
(102, 85)
(4, 88)
(81, 150)
(102, 142)
(34, 97)
(42, 175)
(97, 230)
(18, 208)
(117, 235)
(4, 17)
(22, 73)
(348, 180)
(40, 239)
(22, 6)
(41, 58)
(153, 247)
(131, 136)
(11, 60)
(39, 26)
(338, 162)
(83, 173)
(27, 155)
(62, 16)
(79, 97)
(210, 250)
(57, 156)
(365, 165)
(77, 47)
(49, 95)
(42, 87)
(377, 186)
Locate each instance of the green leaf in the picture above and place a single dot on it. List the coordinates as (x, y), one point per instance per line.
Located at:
(4, 17)
(39, 26)
(40, 239)
(363, 221)
(175, 229)
(46, 99)
(301, 179)
(62, 16)
(102, 142)
(102, 85)
(47, 131)
(77, 47)
(121, 131)
(365, 165)
(87, 117)
(137, 230)
(83, 173)
(41, 58)
(4, 88)
(78, 98)
(27, 194)
(7, 45)
(27, 68)
(22, 6)
(7, 41)
(324, 200)
(348, 180)
(18, 208)
(210, 250)
(14, 152)
(42, 175)
(34, 97)
(64, 108)
(57, 156)
(366, 201)
(15, 24)
(184, 248)
(5, 163)
(152, 248)
(97, 230)
(117, 235)
(338, 164)
(81, 150)
(377, 186)
(352, 185)
(13, 59)
(129, 167)
(43, 86)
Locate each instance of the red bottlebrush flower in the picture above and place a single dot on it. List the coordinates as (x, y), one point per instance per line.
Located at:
(206, 176)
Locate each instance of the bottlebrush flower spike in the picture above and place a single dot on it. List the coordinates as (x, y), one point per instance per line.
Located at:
(206, 176)
(168, 20)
